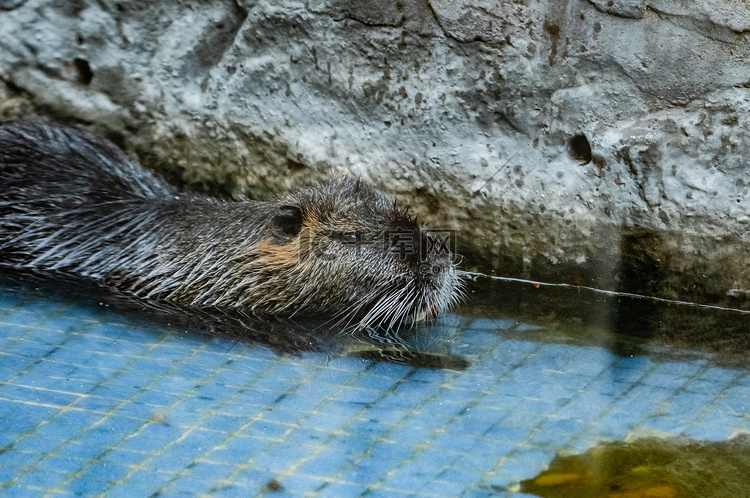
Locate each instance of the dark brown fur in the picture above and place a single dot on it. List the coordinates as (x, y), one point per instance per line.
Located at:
(74, 204)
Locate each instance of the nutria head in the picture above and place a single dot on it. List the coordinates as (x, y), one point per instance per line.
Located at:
(345, 251)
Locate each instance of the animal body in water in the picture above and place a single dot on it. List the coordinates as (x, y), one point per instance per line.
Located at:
(74, 204)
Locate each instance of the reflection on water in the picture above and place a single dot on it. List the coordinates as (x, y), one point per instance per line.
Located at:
(626, 324)
(649, 468)
(423, 346)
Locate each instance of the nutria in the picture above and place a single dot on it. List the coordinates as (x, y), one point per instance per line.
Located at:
(75, 204)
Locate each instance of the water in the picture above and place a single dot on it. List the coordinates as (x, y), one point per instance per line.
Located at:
(649, 467)
(96, 399)
(625, 323)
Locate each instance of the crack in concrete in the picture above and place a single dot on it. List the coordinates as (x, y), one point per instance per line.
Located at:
(440, 24)
(210, 50)
(496, 44)
(349, 17)
(486, 12)
(699, 26)
(11, 5)
(614, 13)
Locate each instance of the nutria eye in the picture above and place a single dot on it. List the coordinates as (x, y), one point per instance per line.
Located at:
(288, 220)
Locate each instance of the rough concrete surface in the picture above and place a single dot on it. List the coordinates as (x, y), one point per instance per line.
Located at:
(588, 141)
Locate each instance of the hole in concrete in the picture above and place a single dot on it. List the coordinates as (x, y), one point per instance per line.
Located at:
(580, 149)
(83, 69)
(295, 165)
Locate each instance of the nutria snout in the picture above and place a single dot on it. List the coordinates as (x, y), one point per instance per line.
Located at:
(75, 204)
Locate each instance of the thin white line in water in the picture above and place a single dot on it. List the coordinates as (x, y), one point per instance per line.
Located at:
(607, 292)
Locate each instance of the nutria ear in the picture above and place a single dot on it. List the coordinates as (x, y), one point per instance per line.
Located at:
(288, 221)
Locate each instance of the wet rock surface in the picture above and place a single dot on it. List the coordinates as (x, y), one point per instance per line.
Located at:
(547, 131)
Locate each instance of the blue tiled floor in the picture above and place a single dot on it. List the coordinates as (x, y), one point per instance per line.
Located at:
(91, 405)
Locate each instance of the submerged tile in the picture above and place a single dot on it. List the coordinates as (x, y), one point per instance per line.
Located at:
(92, 404)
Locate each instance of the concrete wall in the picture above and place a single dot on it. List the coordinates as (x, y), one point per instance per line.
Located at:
(589, 141)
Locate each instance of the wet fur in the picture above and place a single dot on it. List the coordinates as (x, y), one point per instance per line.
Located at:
(75, 204)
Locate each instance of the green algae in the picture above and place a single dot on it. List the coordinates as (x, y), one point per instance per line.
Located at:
(649, 468)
